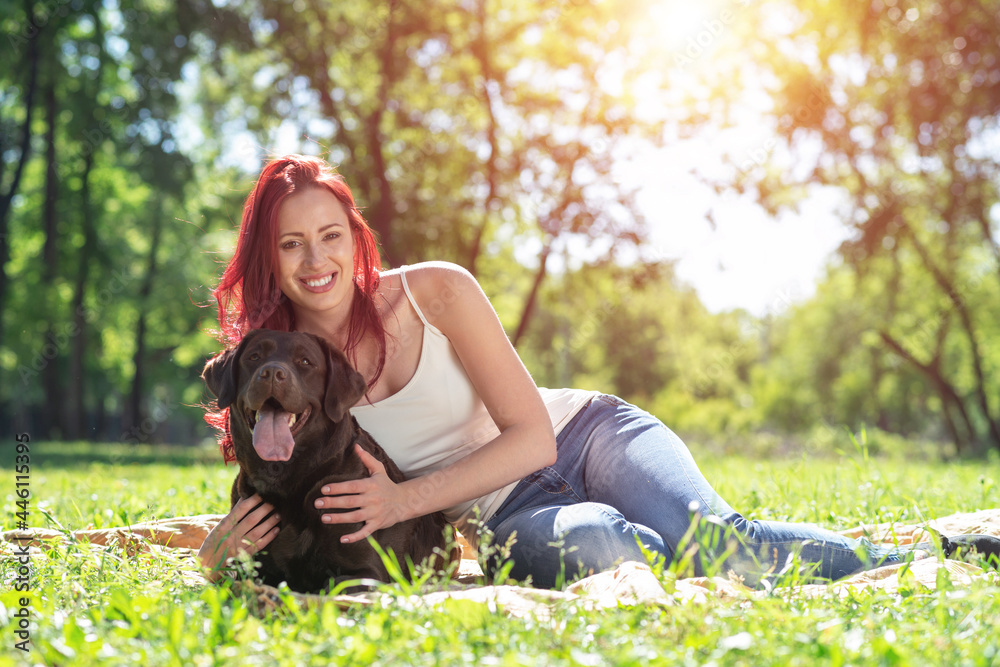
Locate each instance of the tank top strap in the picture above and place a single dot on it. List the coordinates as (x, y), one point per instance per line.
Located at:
(413, 302)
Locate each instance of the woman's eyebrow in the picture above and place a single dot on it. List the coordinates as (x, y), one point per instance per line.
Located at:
(322, 230)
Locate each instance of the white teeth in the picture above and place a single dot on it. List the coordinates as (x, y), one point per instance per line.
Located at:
(256, 416)
(291, 419)
(320, 282)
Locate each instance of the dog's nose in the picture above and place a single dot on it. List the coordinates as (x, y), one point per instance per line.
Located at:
(272, 372)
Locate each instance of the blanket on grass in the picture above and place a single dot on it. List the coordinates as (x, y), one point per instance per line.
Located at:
(631, 583)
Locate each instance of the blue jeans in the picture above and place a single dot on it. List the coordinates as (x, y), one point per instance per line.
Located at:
(620, 475)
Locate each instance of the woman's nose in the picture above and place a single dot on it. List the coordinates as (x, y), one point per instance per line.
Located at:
(313, 256)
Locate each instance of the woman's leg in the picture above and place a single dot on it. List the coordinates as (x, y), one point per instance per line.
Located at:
(558, 543)
(636, 464)
(637, 478)
(551, 532)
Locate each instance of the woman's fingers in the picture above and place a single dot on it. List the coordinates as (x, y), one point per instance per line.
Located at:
(254, 513)
(346, 488)
(257, 526)
(338, 502)
(373, 465)
(344, 517)
(261, 534)
(246, 506)
(258, 530)
(249, 527)
(362, 534)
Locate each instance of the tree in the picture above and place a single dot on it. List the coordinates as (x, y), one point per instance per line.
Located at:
(104, 157)
(890, 105)
(17, 104)
(445, 120)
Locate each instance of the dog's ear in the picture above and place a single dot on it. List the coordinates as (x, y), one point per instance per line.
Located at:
(344, 385)
(220, 377)
(220, 373)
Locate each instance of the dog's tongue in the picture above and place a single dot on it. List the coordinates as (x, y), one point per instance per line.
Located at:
(271, 436)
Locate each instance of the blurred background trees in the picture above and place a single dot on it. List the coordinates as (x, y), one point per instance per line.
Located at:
(491, 135)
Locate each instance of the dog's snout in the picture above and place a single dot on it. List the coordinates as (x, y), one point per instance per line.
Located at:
(272, 373)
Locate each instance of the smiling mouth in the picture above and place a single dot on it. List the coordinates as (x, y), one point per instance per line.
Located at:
(318, 282)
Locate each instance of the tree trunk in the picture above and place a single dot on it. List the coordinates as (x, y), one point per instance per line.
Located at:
(77, 417)
(984, 227)
(529, 304)
(993, 424)
(324, 84)
(31, 58)
(385, 207)
(949, 395)
(57, 334)
(481, 50)
(50, 215)
(382, 212)
(134, 415)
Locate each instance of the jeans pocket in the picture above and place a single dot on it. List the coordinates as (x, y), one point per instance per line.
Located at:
(611, 399)
(552, 483)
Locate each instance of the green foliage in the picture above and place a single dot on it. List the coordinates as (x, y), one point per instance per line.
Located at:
(110, 605)
(489, 134)
(889, 106)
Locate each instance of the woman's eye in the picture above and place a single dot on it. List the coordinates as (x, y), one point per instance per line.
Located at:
(333, 235)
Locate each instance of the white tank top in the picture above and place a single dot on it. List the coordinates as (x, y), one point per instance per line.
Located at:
(438, 418)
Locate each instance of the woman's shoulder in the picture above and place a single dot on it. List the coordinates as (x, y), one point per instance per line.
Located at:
(435, 285)
(428, 271)
(432, 280)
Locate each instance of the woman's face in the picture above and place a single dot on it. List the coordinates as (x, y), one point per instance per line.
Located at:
(315, 252)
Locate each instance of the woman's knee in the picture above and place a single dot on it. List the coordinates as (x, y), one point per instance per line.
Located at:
(564, 542)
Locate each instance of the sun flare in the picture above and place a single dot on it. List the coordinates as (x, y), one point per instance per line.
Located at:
(683, 26)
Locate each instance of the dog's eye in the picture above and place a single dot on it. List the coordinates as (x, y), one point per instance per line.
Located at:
(305, 362)
(254, 356)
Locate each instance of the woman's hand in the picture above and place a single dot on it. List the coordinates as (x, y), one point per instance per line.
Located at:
(246, 529)
(376, 501)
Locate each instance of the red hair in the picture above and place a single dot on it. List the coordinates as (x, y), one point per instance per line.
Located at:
(248, 293)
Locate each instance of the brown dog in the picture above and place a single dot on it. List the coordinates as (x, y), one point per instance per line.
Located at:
(288, 396)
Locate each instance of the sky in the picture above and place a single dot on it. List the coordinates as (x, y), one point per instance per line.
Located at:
(748, 259)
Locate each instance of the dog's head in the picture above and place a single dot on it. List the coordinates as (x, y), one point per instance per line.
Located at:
(282, 388)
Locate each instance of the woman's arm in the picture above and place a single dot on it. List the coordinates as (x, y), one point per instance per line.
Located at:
(453, 301)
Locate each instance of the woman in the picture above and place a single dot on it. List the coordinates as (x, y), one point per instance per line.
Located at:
(578, 478)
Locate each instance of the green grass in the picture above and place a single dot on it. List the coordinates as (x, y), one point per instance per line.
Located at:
(107, 606)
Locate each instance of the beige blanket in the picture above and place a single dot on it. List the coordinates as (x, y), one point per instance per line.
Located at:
(631, 583)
